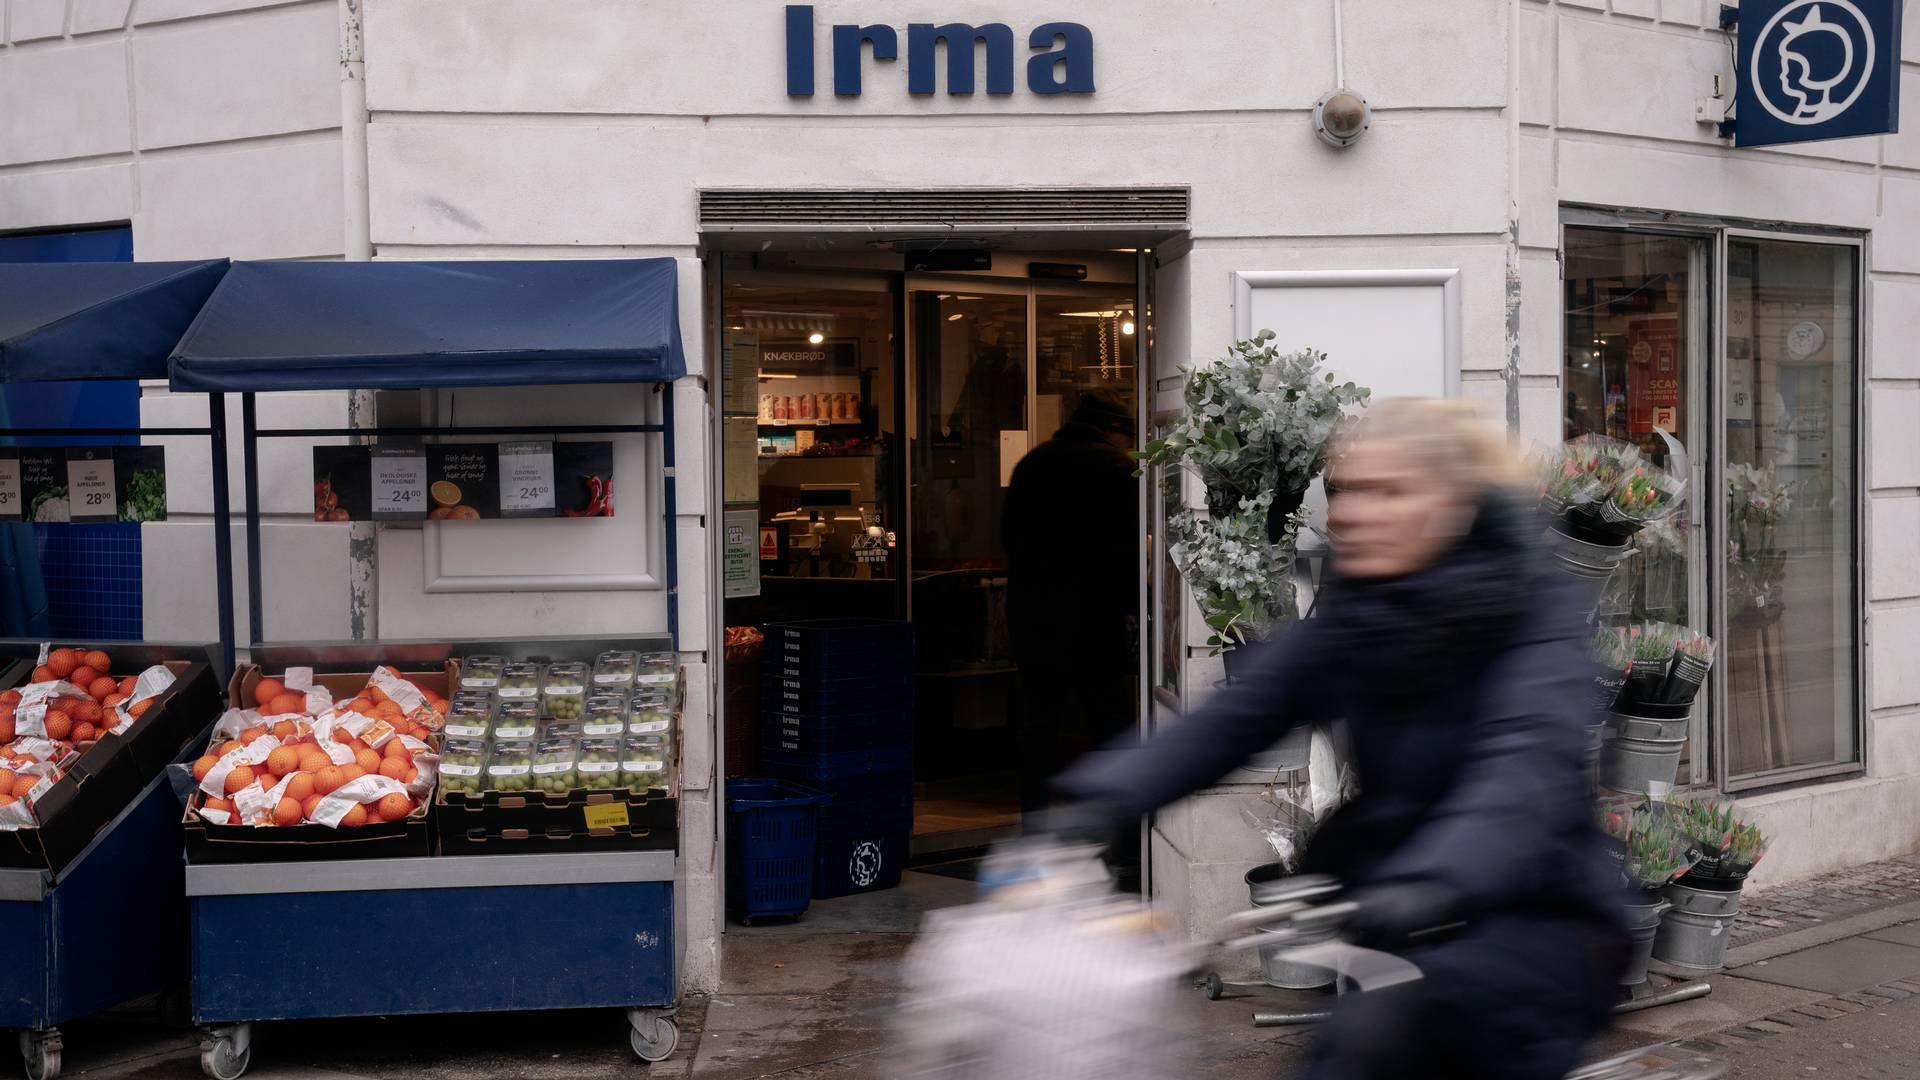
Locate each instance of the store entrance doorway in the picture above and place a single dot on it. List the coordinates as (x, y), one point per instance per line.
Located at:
(871, 426)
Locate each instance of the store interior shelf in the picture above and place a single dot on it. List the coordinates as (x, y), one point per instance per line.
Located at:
(812, 423)
(431, 872)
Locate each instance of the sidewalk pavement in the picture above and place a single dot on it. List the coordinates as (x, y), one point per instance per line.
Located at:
(1834, 990)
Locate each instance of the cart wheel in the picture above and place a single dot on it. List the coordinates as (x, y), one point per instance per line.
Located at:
(1215, 988)
(653, 1038)
(41, 1051)
(218, 1060)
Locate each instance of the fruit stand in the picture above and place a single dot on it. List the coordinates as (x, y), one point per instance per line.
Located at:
(474, 786)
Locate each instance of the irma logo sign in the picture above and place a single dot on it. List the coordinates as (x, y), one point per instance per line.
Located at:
(1060, 59)
(1817, 69)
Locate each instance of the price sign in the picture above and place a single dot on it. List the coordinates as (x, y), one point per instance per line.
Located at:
(526, 479)
(90, 486)
(399, 483)
(11, 503)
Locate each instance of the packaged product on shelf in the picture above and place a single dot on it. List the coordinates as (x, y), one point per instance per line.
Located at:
(519, 681)
(556, 765)
(643, 761)
(510, 765)
(606, 714)
(516, 720)
(470, 716)
(660, 670)
(616, 669)
(481, 672)
(560, 729)
(461, 765)
(564, 693)
(600, 763)
(651, 712)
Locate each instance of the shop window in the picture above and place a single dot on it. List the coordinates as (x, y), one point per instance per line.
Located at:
(1763, 555)
(1790, 494)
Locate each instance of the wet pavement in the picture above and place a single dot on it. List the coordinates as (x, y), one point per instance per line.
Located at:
(1837, 997)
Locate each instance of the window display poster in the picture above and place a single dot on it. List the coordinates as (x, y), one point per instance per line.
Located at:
(1653, 350)
(463, 481)
(741, 558)
(740, 363)
(740, 462)
(83, 484)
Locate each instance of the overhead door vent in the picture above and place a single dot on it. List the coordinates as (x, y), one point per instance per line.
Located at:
(945, 208)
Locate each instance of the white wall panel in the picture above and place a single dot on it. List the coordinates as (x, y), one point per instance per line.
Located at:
(1756, 186)
(269, 201)
(1896, 236)
(158, 11)
(1895, 572)
(34, 20)
(1409, 55)
(94, 16)
(304, 564)
(286, 465)
(1631, 79)
(1893, 454)
(65, 101)
(72, 196)
(236, 78)
(1537, 65)
(1541, 321)
(1896, 329)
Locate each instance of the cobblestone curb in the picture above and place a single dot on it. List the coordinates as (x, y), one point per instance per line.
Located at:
(1801, 905)
(1803, 1016)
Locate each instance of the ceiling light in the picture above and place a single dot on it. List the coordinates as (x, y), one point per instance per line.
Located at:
(1340, 117)
(956, 316)
(1127, 327)
(816, 338)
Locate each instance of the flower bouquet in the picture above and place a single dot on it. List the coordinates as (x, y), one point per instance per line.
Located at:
(1653, 646)
(1729, 847)
(1602, 491)
(1612, 650)
(1655, 854)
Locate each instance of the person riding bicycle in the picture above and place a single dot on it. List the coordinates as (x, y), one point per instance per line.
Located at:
(1457, 655)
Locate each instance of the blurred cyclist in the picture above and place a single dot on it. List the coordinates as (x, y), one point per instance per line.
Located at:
(1458, 658)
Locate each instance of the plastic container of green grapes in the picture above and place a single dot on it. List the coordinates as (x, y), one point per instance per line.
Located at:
(462, 764)
(564, 694)
(556, 766)
(516, 720)
(510, 766)
(600, 762)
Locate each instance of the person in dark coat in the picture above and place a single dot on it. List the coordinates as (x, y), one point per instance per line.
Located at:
(1071, 533)
(1458, 658)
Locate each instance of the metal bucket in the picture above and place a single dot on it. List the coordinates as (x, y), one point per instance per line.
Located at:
(1647, 729)
(1698, 901)
(1634, 765)
(1289, 975)
(1643, 923)
(1269, 883)
(1693, 941)
(1585, 558)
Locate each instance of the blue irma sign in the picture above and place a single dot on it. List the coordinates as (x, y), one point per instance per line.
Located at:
(1817, 69)
(1060, 60)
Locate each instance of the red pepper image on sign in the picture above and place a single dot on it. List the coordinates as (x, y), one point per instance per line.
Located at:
(599, 498)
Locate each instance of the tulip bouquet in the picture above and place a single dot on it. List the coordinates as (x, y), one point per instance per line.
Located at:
(1729, 847)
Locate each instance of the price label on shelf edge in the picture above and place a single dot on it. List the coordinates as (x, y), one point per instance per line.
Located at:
(399, 483)
(90, 485)
(526, 479)
(12, 507)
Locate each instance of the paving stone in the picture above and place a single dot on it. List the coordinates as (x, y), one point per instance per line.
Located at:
(1793, 1019)
(1769, 1026)
(1820, 1012)
(1891, 993)
(1840, 1004)
(1838, 967)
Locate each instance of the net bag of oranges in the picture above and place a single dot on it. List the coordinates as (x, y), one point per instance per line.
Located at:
(302, 758)
(71, 702)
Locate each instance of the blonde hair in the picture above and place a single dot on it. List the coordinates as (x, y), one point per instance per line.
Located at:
(1452, 438)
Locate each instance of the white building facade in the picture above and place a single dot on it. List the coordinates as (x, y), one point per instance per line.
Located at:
(1535, 173)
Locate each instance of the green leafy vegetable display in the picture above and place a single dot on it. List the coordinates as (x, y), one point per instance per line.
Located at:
(146, 497)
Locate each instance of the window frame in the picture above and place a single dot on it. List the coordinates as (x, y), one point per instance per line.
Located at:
(1713, 519)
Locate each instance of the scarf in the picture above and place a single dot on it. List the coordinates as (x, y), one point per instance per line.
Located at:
(1394, 639)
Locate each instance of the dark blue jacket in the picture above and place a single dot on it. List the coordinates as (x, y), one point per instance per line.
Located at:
(1482, 785)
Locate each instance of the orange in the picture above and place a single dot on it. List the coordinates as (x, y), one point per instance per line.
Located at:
(285, 730)
(300, 788)
(113, 699)
(286, 812)
(59, 725)
(228, 747)
(127, 684)
(266, 780)
(203, 766)
(328, 779)
(103, 686)
(395, 748)
(283, 761)
(394, 807)
(312, 760)
(220, 804)
(367, 760)
(85, 712)
(377, 695)
(306, 808)
(248, 736)
(44, 674)
(82, 676)
(394, 769)
(84, 732)
(287, 703)
(98, 661)
(389, 712)
(355, 818)
(352, 773)
(361, 706)
(266, 690)
(139, 709)
(7, 800)
(6, 782)
(6, 730)
(62, 662)
(412, 775)
(240, 777)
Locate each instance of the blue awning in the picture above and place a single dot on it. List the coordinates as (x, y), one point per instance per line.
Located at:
(101, 320)
(406, 325)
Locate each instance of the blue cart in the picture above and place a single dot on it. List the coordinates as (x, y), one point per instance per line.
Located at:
(111, 928)
(625, 958)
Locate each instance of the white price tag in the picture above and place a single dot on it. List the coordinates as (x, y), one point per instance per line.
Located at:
(526, 478)
(90, 491)
(399, 483)
(10, 502)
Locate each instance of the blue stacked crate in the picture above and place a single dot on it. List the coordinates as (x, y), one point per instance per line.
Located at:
(837, 715)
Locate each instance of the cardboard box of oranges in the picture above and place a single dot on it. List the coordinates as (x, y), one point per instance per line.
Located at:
(318, 766)
(83, 728)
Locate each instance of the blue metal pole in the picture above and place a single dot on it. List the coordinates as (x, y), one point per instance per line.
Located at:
(222, 525)
(251, 464)
(672, 516)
